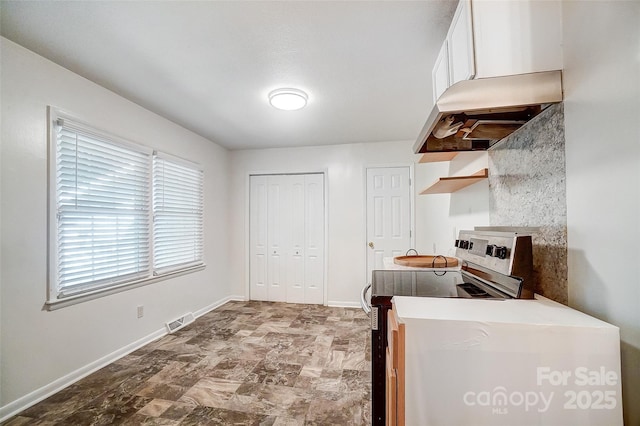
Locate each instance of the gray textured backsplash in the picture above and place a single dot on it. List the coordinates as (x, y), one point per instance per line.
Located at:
(527, 188)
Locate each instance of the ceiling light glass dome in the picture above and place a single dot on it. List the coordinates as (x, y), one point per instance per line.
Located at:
(288, 99)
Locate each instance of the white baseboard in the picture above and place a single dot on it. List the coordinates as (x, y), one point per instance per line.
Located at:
(57, 385)
(337, 304)
(207, 309)
(32, 398)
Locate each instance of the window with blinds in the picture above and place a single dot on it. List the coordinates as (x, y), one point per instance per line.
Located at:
(123, 214)
(177, 214)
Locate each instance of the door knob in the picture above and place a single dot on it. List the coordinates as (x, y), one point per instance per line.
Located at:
(371, 244)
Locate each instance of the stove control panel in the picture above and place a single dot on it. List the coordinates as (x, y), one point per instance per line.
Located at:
(500, 251)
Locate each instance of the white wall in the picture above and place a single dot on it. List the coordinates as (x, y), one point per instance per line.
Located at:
(602, 116)
(441, 216)
(40, 347)
(345, 166)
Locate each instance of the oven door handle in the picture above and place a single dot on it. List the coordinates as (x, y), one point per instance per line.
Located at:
(366, 306)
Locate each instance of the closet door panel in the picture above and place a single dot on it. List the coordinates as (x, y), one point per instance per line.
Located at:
(258, 238)
(277, 237)
(314, 242)
(296, 266)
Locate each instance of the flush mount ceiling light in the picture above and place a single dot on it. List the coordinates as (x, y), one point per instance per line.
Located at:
(288, 99)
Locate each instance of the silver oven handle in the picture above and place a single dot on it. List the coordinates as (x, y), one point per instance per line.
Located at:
(366, 306)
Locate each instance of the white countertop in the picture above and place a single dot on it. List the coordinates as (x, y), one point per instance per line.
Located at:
(463, 355)
(540, 311)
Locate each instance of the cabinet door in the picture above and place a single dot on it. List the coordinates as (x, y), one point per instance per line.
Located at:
(460, 44)
(517, 37)
(392, 392)
(395, 370)
(440, 73)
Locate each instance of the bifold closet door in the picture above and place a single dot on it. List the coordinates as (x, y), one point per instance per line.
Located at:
(287, 238)
(258, 238)
(296, 279)
(278, 235)
(314, 239)
(268, 237)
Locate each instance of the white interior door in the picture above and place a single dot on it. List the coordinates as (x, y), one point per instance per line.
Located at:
(286, 238)
(388, 214)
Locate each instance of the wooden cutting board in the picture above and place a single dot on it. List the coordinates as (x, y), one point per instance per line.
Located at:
(426, 261)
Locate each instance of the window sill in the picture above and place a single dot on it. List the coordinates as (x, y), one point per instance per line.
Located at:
(52, 305)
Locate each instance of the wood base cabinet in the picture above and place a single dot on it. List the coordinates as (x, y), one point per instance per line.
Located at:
(395, 371)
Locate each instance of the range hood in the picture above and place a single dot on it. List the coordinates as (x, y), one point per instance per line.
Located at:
(476, 114)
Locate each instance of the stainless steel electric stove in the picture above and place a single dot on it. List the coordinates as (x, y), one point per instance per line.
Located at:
(495, 265)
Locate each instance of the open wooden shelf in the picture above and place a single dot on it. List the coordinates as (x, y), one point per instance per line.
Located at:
(447, 185)
(434, 157)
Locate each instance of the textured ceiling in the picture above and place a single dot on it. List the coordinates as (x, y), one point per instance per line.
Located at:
(209, 65)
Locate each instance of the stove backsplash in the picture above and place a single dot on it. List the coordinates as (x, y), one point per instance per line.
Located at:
(527, 188)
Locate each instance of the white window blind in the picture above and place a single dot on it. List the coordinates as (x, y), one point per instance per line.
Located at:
(102, 202)
(178, 214)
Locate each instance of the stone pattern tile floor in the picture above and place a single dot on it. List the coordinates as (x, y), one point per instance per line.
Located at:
(244, 363)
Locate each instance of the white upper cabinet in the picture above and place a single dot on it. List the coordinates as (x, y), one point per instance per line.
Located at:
(517, 37)
(460, 42)
(440, 73)
(492, 38)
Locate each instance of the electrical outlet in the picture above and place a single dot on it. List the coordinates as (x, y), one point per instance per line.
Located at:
(140, 311)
